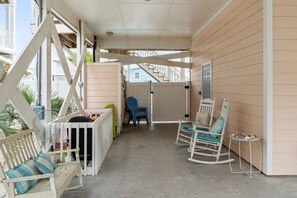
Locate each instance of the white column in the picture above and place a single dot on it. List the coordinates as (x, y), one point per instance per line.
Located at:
(128, 73)
(46, 71)
(168, 73)
(82, 80)
(268, 87)
(11, 25)
(46, 78)
(182, 71)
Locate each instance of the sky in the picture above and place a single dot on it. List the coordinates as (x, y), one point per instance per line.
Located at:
(23, 32)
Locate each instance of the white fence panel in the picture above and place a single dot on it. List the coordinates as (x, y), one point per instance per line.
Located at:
(170, 102)
(141, 91)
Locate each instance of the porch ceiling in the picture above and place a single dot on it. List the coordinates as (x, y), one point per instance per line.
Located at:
(4, 1)
(144, 19)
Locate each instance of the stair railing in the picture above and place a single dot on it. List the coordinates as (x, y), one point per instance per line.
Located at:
(175, 74)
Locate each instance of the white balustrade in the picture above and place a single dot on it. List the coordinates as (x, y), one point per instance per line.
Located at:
(6, 39)
(60, 134)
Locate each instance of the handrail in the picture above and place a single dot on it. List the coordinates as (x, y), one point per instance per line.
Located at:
(175, 74)
(6, 39)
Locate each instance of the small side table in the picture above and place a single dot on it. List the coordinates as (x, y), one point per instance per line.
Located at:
(233, 137)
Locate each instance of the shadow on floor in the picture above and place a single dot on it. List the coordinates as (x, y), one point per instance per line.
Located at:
(145, 162)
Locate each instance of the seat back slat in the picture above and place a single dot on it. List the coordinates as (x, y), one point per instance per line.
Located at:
(17, 148)
(207, 105)
(6, 157)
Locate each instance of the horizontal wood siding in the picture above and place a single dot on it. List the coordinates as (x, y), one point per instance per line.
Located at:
(234, 43)
(102, 86)
(285, 87)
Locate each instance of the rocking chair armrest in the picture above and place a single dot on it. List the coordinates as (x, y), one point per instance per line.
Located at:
(206, 132)
(198, 125)
(185, 121)
(142, 109)
(27, 178)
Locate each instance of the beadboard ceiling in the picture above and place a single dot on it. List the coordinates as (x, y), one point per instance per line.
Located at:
(157, 19)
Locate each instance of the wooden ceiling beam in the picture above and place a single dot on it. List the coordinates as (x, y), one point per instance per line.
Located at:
(126, 59)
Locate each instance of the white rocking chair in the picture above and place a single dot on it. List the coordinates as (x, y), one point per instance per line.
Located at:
(185, 128)
(207, 143)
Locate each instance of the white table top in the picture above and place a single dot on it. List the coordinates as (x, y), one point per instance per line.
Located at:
(243, 137)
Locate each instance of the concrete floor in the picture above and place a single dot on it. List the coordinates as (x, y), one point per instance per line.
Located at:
(145, 162)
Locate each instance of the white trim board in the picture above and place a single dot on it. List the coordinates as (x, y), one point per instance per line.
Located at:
(268, 87)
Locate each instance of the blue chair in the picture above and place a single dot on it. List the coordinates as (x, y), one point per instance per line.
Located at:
(135, 112)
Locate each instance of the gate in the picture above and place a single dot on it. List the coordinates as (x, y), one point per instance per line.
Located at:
(166, 102)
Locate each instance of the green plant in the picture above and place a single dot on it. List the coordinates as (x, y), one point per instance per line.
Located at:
(57, 103)
(88, 58)
(28, 93)
(9, 116)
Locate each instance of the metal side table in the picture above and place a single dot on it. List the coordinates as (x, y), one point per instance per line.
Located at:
(240, 139)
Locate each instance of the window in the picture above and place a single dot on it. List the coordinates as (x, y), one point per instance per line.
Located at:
(206, 79)
(137, 75)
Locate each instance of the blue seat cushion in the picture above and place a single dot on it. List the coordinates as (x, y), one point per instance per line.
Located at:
(186, 127)
(208, 137)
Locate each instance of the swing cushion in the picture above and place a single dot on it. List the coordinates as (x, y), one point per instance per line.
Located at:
(26, 169)
(44, 164)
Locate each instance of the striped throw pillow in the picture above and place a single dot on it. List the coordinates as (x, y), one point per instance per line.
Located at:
(44, 164)
(23, 170)
(217, 127)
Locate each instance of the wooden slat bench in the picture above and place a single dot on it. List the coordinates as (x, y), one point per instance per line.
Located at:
(17, 149)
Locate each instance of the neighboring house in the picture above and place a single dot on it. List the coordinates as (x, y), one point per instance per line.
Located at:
(59, 83)
(138, 75)
(7, 34)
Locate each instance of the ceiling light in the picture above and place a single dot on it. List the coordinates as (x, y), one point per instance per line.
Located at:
(109, 34)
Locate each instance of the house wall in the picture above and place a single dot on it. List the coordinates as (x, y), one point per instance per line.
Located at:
(104, 84)
(284, 87)
(233, 40)
(143, 76)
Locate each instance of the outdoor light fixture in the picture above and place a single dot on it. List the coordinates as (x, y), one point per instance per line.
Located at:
(109, 34)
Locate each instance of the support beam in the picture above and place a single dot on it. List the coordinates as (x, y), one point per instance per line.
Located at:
(72, 90)
(46, 78)
(173, 56)
(13, 77)
(2, 72)
(64, 63)
(66, 49)
(126, 59)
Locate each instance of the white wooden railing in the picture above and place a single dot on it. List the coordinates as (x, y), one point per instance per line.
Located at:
(170, 73)
(6, 39)
(59, 134)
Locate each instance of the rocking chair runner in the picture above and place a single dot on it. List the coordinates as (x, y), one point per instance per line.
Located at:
(208, 142)
(204, 114)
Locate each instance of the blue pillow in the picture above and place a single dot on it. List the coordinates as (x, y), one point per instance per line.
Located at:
(217, 127)
(23, 170)
(44, 164)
